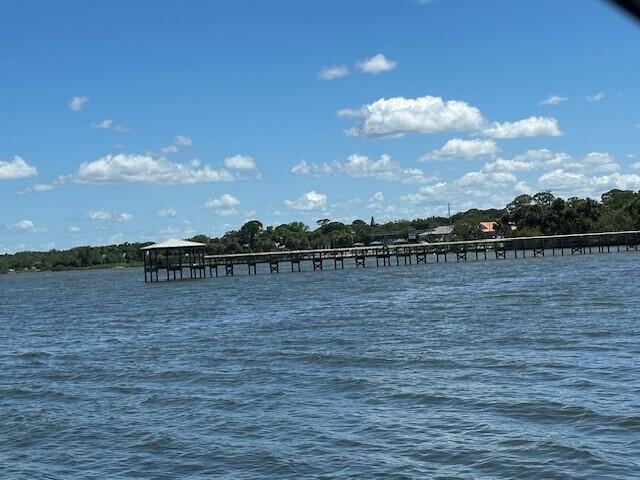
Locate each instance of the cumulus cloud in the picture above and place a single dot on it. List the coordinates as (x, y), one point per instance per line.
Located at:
(16, 168)
(125, 217)
(552, 100)
(108, 124)
(168, 212)
(398, 116)
(333, 72)
(580, 184)
(143, 168)
(77, 103)
(223, 205)
(308, 201)
(596, 97)
(25, 226)
(376, 64)
(459, 148)
(528, 127)
(240, 162)
(99, 215)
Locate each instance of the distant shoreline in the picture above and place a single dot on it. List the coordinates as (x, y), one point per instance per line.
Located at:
(114, 266)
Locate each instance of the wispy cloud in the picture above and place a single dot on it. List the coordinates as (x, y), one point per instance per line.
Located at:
(333, 72)
(99, 215)
(108, 124)
(596, 97)
(78, 103)
(553, 100)
(168, 212)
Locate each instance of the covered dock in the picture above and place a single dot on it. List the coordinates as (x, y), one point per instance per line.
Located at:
(174, 256)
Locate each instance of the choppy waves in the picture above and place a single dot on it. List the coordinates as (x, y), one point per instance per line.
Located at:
(514, 369)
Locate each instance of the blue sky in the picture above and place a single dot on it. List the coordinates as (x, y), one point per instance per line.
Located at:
(128, 121)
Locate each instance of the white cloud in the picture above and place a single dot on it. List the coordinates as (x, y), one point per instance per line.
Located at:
(308, 201)
(125, 217)
(169, 149)
(103, 124)
(513, 165)
(376, 64)
(599, 162)
(484, 179)
(44, 187)
(552, 100)
(360, 166)
(333, 72)
(398, 116)
(223, 205)
(77, 103)
(16, 168)
(376, 200)
(459, 148)
(528, 127)
(179, 141)
(74, 229)
(168, 212)
(25, 226)
(523, 188)
(543, 159)
(580, 184)
(99, 215)
(183, 141)
(596, 97)
(143, 168)
(301, 168)
(395, 117)
(636, 165)
(240, 162)
(108, 124)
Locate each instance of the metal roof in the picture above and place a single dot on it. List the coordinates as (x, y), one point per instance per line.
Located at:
(173, 243)
(442, 230)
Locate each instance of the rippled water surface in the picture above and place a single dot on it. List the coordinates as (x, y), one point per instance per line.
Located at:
(510, 369)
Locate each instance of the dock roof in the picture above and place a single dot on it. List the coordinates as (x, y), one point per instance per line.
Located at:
(173, 243)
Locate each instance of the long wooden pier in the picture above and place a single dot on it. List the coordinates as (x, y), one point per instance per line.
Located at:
(174, 256)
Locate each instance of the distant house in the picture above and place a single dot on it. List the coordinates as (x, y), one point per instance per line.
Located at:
(489, 229)
(438, 234)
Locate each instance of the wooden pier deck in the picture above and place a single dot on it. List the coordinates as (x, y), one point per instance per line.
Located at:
(200, 264)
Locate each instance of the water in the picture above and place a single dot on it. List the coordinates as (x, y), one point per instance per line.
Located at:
(502, 369)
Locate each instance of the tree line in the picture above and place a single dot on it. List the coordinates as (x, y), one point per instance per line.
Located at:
(526, 215)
